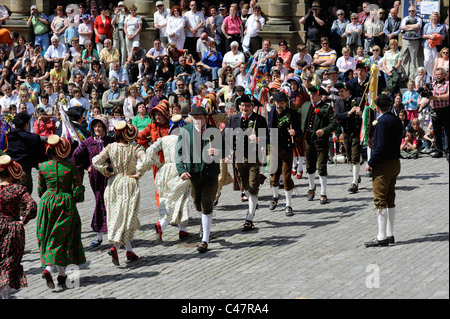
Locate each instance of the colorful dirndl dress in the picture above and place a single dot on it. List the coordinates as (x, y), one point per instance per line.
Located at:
(58, 223)
(12, 234)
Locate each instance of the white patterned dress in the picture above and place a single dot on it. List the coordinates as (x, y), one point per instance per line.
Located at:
(122, 194)
(174, 193)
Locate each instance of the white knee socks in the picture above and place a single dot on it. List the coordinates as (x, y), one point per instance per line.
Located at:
(312, 183)
(300, 164)
(275, 191)
(390, 222)
(382, 223)
(323, 185)
(61, 271)
(355, 170)
(128, 247)
(164, 223)
(288, 195)
(252, 202)
(206, 223)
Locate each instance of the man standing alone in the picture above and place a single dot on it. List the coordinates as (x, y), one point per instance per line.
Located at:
(385, 166)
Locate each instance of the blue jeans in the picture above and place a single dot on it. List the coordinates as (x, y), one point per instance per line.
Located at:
(268, 67)
(215, 73)
(43, 41)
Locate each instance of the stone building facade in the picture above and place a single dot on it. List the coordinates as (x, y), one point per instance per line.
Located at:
(282, 17)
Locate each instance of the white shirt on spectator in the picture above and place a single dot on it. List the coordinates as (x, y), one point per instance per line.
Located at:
(203, 47)
(53, 53)
(6, 101)
(161, 18)
(121, 76)
(84, 103)
(83, 27)
(132, 24)
(296, 58)
(231, 59)
(192, 20)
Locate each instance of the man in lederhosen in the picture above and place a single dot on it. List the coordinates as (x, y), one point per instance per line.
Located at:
(246, 134)
(348, 112)
(385, 167)
(286, 122)
(318, 123)
(197, 159)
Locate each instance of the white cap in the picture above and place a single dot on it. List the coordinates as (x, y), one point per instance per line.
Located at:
(159, 3)
(136, 44)
(120, 3)
(33, 7)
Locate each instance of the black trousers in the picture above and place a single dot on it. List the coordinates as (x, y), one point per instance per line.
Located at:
(441, 124)
(203, 191)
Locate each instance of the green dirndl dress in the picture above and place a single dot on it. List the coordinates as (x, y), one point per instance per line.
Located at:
(58, 222)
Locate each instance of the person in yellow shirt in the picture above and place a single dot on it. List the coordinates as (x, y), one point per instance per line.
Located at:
(58, 73)
(109, 54)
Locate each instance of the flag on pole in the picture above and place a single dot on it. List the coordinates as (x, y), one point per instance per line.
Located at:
(68, 129)
(371, 96)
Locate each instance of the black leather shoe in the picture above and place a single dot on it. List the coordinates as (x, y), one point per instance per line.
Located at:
(288, 211)
(437, 155)
(61, 281)
(273, 203)
(391, 240)
(377, 243)
(203, 247)
(248, 225)
(216, 201)
(353, 188)
(311, 194)
(48, 279)
(323, 199)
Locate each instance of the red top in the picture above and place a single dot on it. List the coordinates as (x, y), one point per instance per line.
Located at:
(103, 28)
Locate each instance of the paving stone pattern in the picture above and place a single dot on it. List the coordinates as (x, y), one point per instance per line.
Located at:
(318, 253)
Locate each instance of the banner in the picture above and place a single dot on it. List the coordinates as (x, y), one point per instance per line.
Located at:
(424, 8)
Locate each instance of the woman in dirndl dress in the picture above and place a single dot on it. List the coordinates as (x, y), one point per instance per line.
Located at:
(122, 193)
(82, 157)
(174, 193)
(58, 222)
(12, 232)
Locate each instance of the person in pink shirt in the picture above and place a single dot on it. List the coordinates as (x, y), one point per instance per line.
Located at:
(232, 28)
(409, 147)
(285, 54)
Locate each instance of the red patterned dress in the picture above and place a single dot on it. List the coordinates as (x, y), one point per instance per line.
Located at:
(12, 234)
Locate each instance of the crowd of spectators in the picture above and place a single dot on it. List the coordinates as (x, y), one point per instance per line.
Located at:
(93, 62)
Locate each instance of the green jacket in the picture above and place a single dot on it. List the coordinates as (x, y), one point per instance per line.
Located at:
(324, 120)
(193, 162)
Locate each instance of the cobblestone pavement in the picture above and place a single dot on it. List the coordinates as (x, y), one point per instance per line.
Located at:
(318, 253)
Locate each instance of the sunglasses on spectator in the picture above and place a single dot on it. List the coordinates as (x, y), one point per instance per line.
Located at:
(445, 52)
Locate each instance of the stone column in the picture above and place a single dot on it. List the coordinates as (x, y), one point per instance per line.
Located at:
(282, 20)
(20, 12)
